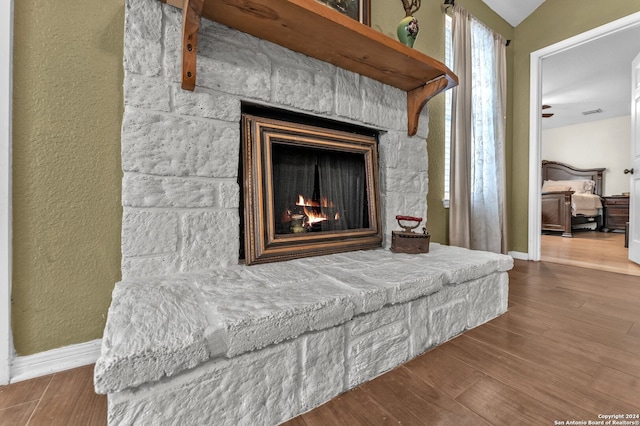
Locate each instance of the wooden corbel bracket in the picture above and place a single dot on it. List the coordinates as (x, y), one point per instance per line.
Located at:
(418, 98)
(345, 43)
(191, 13)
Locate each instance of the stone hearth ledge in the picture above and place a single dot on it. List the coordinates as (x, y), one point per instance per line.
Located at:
(160, 326)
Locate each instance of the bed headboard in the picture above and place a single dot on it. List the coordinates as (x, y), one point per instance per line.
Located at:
(553, 170)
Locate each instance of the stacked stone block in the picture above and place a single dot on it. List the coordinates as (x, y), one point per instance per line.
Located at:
(180, 149)
(334, 325)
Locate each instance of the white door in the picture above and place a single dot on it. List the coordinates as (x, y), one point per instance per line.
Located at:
(634, 202)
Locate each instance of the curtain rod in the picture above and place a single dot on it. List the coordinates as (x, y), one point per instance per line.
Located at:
(451, 3)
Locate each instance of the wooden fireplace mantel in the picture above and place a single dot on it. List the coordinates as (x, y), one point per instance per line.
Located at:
(313, 29)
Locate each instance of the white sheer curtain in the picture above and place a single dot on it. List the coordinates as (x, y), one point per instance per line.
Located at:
(477, 217)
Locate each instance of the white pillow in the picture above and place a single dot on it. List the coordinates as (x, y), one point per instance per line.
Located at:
(555, 188)
(589, 186)
(579, 186)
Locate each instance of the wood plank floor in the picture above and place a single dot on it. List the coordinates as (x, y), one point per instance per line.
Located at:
(604, 251)
(65, 398)
(567, 349)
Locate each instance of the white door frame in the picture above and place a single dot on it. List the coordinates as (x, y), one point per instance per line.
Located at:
(6, 60)
(634, 178)
(535, 105)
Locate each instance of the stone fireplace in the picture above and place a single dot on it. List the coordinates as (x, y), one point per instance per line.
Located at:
(181, 149)
(195, 337)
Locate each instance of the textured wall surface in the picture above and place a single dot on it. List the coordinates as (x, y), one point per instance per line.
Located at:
(180, 149)
(67, 109)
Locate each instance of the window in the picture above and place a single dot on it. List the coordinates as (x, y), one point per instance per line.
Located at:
(448, 60)
(477, 184)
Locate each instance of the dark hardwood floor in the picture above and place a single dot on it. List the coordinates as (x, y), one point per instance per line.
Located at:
(65, 398)
(568, 349)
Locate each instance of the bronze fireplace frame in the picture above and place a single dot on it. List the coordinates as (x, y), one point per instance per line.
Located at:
(261, 243)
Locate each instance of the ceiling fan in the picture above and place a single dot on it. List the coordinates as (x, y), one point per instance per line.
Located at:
(546, 114)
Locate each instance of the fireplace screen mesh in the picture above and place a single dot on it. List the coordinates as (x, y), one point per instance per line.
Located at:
(307, 190)
(318, 190)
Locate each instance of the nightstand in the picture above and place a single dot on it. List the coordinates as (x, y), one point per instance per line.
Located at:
(616, 212)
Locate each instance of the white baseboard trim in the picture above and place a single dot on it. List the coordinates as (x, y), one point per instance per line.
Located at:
(519, 255)
(54, 361)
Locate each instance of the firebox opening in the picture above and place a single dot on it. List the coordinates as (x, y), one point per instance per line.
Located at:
(309, 186)
(317, 190)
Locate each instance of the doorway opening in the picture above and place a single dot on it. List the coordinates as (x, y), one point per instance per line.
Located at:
(631, 22)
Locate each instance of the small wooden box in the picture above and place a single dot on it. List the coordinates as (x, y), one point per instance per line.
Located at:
(409, 242)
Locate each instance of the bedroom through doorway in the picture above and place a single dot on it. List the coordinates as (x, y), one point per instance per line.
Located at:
(588, 248)
(581, 226)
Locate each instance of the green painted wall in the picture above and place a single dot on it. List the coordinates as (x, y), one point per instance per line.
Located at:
(67, 110)
(385, 16)
(552, 22)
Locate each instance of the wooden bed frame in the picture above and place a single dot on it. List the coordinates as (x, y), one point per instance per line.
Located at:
(556, 206)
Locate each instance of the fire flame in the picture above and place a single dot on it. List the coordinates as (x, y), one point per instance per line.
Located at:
(306, 202)
(314, 216)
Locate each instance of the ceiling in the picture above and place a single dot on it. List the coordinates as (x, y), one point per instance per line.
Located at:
(512, 11)
(593, 76)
